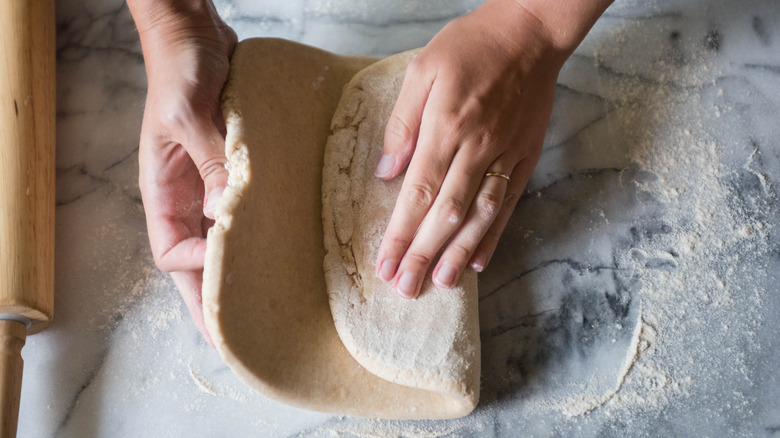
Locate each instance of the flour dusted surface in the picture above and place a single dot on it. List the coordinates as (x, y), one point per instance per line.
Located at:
(648, 215)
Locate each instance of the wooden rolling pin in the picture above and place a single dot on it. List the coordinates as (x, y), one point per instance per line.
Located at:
(27, 116)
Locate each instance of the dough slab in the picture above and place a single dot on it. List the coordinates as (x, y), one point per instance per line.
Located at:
(264, 292)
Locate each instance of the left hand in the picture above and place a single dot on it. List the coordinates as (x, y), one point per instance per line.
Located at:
(182, 150)
(477, 99)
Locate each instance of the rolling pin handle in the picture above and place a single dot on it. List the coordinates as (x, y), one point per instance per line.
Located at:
(13, 334)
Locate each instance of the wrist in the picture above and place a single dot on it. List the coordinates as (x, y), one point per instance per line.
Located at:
(154, 16)
(540, 31)
(163, 23)
(565, 23)
(523, 37)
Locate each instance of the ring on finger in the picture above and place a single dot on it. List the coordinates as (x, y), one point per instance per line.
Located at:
(498, 174)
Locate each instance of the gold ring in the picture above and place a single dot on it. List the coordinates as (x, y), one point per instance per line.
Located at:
(498, 174)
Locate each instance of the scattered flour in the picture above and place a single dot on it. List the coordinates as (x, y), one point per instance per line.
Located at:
(694, 329)
(583, 404)
(394, 429)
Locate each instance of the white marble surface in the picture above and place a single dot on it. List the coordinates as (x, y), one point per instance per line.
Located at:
(638, 277)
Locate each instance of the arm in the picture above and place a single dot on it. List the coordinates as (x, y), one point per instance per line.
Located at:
(186, 49)
(475, 101)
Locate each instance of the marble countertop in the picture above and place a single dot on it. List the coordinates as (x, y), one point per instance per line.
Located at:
(635, 292)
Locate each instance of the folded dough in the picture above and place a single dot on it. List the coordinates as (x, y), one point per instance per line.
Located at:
(264, 292)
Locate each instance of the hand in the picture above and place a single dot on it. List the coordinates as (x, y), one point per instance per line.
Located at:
(477, 99)
(182, 152)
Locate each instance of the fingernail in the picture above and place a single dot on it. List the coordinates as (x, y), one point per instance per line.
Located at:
(385, 166)
(211, 202)
(478, 264)
(387, 270)
(407, 285)
(445, 276)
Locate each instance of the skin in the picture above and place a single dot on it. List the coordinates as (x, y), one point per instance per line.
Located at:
(182, 159)
(477, 99)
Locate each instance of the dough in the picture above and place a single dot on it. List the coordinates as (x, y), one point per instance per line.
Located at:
(264, 294)
(429, 343)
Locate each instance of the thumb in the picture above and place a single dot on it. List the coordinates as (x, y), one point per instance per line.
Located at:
(206, 147)
(403, 127)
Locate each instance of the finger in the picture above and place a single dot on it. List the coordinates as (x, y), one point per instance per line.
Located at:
(206, 146)
(403, 126)
(487, 246)
(186, 255)
(177, 244)
(172, 196)
(539, 90)
(420, 187)
(189, 284)
(481, 216)
(441, 222)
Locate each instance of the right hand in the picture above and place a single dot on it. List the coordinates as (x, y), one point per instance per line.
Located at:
(182, 150)
(475, 100)
(474, 104)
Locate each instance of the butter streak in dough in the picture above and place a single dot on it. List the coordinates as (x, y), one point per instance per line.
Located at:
(264, 295)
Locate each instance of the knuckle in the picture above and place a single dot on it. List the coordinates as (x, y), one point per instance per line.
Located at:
(211, 166)
(420, 195)
(418, 258)
(177, 115)
(416, 65)
(183, 115)
(477, 146)
(161, 262)
(460, 252)
(395, 245)
(398, 130)
(485, 139)
(454, 123)
(511, 198)
(488, 205)
(451, 211)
